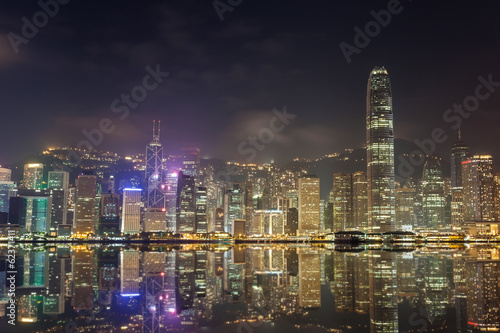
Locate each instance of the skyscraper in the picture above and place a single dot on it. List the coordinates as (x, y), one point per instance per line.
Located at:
(58, 184)
(433, 200)
(186, 204)
(459, 153)
(33, 176)
(85, 205)
(154, 170)
(359, 201)
(201, 210)
(309, 205)
(342, 201)
(191, 161)
(131, 211)
(380, 152)
(478, 187)
(234, 200)
(5, 174)
(110, 215)
(58, 180)
(405, 215)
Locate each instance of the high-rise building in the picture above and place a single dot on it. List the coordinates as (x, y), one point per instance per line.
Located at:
(478, 193)
(292, 221)
(269, 222)
(5, 175)
(405, 215)
(309, 205)
(170, 191)
(359, 201)
(201, 210)
(459, 154)
(234, 200)
(380, 152)
(86, 191)
(110, 215)
(342, 202)
(33, 176)
(186, 204)
(219, 220)
(58, 180)
(191, 161)
(59, 210)
(154, 170)
(8, 189)
(457, 208)
(155, 220)
(131, 211)
(433, 200)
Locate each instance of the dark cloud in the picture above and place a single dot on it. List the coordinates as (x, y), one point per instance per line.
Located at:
(226, 77)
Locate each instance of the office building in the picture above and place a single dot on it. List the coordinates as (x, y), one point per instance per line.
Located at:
(86, 191)
(131, 211)
(309, 220)
(33, 176)
(380, 152)
(433, 200)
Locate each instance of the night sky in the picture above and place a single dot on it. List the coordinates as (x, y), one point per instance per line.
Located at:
(226, 77)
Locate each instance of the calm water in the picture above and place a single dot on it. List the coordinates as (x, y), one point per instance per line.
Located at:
(253, 289)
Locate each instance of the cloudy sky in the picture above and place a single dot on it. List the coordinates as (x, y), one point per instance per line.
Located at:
(227, 76)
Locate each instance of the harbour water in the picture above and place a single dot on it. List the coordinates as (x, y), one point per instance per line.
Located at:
(250, 288)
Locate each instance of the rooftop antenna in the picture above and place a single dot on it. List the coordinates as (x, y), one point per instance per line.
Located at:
(459, 133)
(156, 133)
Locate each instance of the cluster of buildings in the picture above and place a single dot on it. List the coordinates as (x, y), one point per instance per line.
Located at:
(179, 195)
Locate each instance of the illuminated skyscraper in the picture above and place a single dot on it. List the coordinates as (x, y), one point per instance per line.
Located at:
(5, 174)
(154, 170)
(33, 176)
(110, 215)
(433, 200)
(342, 201)
(131, 211)
(459, 154)
(186, 204)
(201, 210)
(380, 152)
(234, 200)
(191, 161)
(478, 192)
(405, 215)
(359, 201)
(58, 180)
(85, 205)
(309, 205)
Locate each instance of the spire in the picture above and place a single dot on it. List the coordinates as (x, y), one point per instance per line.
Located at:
(459, 133)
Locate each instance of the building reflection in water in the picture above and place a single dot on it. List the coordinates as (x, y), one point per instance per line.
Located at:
(209, 288)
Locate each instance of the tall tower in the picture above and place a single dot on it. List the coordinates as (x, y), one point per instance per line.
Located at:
(85, 205)
(433, 200)
(154, 170)
(380, 152)
(309, 205)
(459, 153)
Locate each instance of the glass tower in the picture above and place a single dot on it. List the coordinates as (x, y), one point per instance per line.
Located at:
(380, 152)
(154, 170)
